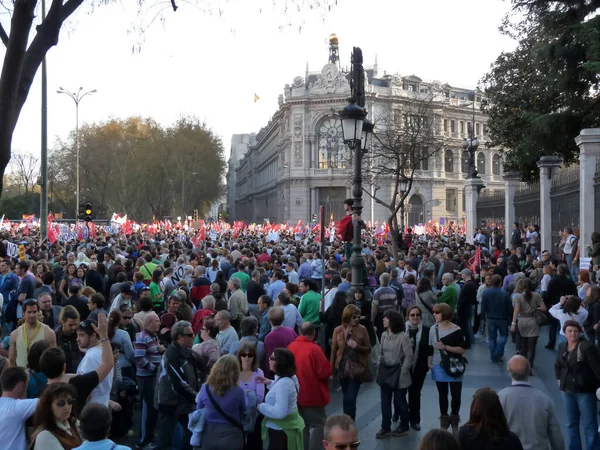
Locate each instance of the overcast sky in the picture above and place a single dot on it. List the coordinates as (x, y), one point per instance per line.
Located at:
(210, 66)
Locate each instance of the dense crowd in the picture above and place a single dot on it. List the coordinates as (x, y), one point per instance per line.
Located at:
(237, 342)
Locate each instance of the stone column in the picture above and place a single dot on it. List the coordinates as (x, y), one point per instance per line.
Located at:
(472, 188)
(511, 182)
(589, 149)
(547, 165)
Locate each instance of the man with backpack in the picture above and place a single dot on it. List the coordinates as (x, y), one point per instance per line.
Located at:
(9, 282)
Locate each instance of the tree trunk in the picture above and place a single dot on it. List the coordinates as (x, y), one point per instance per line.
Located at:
(393, 226)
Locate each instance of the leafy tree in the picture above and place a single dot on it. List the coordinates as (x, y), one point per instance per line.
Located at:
(136, 167)
(23, 56)
(542, 94)
(405, 143)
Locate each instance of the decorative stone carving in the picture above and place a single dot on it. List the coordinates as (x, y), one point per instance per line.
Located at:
(298, 140)
(280, 99)
(330, 81)
(298, 82)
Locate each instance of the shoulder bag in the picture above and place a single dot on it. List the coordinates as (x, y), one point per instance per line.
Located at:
(541, 318)
(454, 365)
(231, 420)
(388, 376)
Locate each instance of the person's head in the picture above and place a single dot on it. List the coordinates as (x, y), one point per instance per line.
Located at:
(53, 362)
(562, 269)
(276, 316)
(414, 313)
(55, 405)
(173, 304)
(146, 304)
(392, 320)
(351, 315)
(69, 320)
(572, 331)
(487, 416)
(48, 278)
(439, 440)
(126, 290)
(496, 281)
(308, 330)
(5, 266)
(249, 326)
(340, 433)
(152, 323)
(359, 293)
(592, 294)
(442, 312)
(209, 329)
(264, 302)
(571, 304)
(14, 382)
(424, 285)
(34, 354)
(447, 279)
(86, 335)
(348, 203)
(45, 302)
(74, 289)
(96, 301)
(183, 333)
(223, 319)
(95, 422)
(247, 356)
(466, 274)
(519, 368)
(71, 269)
(30, 311)
(208, 303)
(224, 374)
(126, 316)
(384, 279)
(282, 363)
(235, 284)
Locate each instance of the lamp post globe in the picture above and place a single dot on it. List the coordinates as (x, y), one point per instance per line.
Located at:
(352, 117)
(367, 134)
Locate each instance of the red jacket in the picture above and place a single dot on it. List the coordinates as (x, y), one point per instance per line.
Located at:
(313, 371)
(345, 229)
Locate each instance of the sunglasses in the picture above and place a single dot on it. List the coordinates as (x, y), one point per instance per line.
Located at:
(437, 312)
(415, 315)
(356, 317)
(351, 445)
(126, 317)
(188, 334)
(249, 355)
(271, 358)
(63, 403)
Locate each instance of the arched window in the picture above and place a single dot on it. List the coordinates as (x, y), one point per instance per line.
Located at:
(481, 164)
(449, 161)
(496, 164)
(464, 161)
(333, 153)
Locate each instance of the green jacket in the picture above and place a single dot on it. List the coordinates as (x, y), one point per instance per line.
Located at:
(450, 296)
(309, 307)
(292, 425)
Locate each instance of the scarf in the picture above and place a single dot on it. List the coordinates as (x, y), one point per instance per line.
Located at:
(68, 441)
(409, 326)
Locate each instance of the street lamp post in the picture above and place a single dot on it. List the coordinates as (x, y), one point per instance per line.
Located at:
(473, 183)
(76, 97)
(357, 131)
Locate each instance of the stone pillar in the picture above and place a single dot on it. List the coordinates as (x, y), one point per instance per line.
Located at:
(547, 165)
(472, 188)
(589, 149)
(511, 182)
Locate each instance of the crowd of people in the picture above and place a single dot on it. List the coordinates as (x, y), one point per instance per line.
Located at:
(239, 342)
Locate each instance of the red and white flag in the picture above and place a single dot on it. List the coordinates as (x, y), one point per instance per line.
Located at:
(474, 261)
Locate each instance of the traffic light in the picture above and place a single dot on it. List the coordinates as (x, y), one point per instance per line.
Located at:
(86, 212)
(195, 215)
(220, 217)
(314, 217)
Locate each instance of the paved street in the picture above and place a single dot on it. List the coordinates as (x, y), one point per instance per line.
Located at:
(480, 373)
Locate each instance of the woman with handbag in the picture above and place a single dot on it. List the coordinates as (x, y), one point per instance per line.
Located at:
(393, 374)
(446, 340)
(249, 381)
(419, 339)
(577, 369)
(350, 355)
(224, 403)
(425, 300)
(526, 306)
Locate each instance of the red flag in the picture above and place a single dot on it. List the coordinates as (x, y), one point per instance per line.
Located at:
(298, 227)
(474, 261)
(92, 228)
(52, 235)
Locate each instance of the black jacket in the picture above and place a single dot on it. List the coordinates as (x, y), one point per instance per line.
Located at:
(420, 364)
(69, 345)
(592, 319)
(181, 375)
(467, 297)
(579, 371)
(253, 292)
(515, 239)
(95, 280)
(558, 286)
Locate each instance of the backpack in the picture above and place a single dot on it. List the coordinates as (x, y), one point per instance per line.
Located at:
(10, 315)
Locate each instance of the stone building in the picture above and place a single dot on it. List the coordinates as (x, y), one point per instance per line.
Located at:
(299, 162)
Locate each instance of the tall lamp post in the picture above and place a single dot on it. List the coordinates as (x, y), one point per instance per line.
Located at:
(76, 97)
(357, 131)
(473, 183)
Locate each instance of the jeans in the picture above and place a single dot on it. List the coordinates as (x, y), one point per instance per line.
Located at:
(496, 343)
(350, 392)
(400, 405)
(173, 431)
(314, 421)
(553, 326)
(528, 345)
(149, 414)
(581, 407)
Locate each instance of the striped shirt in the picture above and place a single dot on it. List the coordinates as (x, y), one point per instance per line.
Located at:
(147, 354)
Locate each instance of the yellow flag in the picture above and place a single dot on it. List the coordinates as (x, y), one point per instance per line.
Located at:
(256, 98)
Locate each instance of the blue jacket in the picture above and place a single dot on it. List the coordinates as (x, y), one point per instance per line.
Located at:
(8, 283)
(496, 304)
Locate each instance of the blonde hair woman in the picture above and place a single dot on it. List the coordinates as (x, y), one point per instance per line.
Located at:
(224, 402)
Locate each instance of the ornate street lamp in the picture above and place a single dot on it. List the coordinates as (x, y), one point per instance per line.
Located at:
(471, 144)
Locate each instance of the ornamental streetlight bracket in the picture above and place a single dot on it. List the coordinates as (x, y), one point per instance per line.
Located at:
(352, 117)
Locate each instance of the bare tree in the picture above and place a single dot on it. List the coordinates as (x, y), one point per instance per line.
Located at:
(26, 168)
(406, 141)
